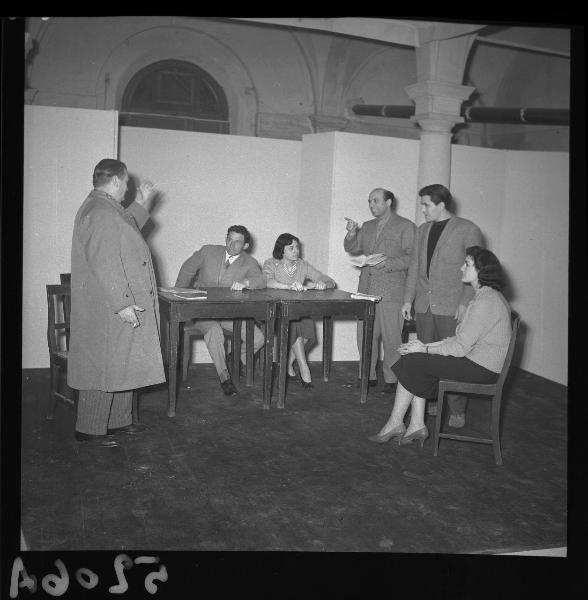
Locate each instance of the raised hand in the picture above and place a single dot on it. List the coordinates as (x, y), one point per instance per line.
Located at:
(352, 226)
(144, 193)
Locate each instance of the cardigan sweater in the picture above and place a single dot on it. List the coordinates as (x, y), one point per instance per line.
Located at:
(274, 270)
(484, 333)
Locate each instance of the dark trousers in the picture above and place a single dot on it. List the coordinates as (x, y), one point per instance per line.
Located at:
(99, 411)
(434, 328)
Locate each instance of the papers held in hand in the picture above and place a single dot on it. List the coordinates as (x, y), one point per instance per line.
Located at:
(185, 293)
(367, 261)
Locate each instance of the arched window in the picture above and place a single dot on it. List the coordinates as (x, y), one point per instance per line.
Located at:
(174, 94)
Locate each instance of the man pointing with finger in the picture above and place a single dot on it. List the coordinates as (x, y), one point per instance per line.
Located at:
(114, 337)
(391, 235)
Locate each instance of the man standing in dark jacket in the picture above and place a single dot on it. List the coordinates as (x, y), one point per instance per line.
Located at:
(434, 277)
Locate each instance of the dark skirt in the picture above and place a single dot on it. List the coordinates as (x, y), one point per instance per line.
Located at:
(303, 328)
(420, 372)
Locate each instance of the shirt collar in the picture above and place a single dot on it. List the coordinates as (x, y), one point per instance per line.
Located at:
(230, 258)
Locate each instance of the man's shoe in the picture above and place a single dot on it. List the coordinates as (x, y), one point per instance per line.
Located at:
(432, 408)
(131, 429)
(88, 439)
(228, 388)
(457, 421)
(389, 388)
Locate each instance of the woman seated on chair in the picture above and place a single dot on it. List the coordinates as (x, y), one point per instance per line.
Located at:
(475, 354)
(287, 271)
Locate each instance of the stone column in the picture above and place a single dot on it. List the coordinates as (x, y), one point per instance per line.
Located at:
(437, 111)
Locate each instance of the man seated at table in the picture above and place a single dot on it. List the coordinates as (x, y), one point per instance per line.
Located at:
(223, 266)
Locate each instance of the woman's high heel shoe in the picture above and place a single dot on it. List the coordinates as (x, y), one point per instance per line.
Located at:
(298, 377)
(397, 432)
(420, 434)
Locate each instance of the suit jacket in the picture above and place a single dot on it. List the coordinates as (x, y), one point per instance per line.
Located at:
(207, 264)
(111, 269)
(396, 242)
(442, 291)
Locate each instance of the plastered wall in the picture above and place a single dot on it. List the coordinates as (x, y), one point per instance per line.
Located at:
(208, 182)
(61, 148)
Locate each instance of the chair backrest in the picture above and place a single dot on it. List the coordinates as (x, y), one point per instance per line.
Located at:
(515, 320)
(58, 313)
(65, 278)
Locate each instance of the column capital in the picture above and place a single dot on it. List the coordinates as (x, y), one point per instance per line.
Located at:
(438, 104)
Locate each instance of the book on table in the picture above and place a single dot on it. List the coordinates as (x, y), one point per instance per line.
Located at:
(185, 293)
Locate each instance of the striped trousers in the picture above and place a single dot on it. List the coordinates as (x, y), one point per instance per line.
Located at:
(99, 411)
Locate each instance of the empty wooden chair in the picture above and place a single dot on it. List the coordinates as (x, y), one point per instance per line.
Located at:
(493, 389)
(58, 311)
(59, 308)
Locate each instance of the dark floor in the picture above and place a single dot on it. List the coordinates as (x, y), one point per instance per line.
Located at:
(224, 474)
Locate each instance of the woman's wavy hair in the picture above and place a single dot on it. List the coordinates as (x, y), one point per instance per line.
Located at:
(488, 267)
(284, 239)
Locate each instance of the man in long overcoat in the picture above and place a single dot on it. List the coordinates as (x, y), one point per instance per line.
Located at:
(115, 337)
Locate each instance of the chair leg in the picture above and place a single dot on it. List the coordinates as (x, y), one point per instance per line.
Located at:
(440, 402)
(260, 356)
(495, 429)
(54, 382)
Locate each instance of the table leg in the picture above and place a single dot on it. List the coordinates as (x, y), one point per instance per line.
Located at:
(173, 340)
(283, 356)
(366, 350)
(327, 346)
(270, 323)
(250, 324)
(236, 349)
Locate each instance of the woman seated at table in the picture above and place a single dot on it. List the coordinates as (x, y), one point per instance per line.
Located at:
(287, 271)
(475, 354)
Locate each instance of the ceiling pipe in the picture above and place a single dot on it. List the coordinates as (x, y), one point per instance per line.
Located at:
(475, 114)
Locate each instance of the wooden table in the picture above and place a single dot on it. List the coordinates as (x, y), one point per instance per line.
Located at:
(220, 303)
(325, 304)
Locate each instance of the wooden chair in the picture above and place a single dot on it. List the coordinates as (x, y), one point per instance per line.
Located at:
(59, 308)
(58, 311)
(407, 328)
(493, 389)
(189, 333)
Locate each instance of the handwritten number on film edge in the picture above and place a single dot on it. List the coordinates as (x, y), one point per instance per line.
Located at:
(56, 585)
